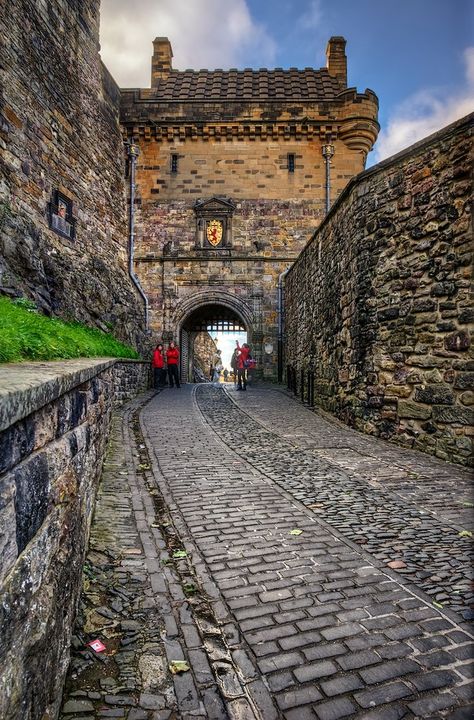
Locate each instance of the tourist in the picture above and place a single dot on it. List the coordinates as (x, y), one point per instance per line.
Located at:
(233, 365)
(217, 367)
(226, 374)
(242, 357)
(158, 365)
(172, 359)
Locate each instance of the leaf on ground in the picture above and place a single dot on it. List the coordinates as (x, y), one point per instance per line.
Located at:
(465, 533)
(144, 466)
(438, 605)
(155, 525)
(296, 531)
(178, 666)
(467, 504)
(180, 554)
(190, 589)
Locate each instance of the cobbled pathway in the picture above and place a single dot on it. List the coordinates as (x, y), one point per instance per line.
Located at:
(251, 538)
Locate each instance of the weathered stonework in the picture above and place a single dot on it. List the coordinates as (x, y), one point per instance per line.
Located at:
(250, 140)
(59, 131)
(54, 422)
(378, 305)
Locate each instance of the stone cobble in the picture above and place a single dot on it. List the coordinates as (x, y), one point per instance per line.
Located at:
(308, 603)
(198, 553)
(138, 595)
(367, 508)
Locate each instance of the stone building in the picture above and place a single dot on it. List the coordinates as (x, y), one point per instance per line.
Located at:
(231, 181)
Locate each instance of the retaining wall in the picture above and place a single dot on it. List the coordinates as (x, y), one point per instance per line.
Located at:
(378, 306)
(54, 423)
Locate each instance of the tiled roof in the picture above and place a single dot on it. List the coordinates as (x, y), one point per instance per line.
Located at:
(278, 84)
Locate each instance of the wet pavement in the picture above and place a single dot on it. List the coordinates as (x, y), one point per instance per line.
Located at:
(297, 568)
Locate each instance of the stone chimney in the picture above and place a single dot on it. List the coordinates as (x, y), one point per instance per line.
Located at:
(161, 60)
(336, 60)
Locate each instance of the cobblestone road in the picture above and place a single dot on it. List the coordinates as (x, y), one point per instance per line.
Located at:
(251, 538)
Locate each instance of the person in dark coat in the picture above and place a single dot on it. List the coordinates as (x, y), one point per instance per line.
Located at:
(172, 360)
(158, 365)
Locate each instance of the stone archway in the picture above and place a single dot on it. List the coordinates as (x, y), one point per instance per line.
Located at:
(217, 310)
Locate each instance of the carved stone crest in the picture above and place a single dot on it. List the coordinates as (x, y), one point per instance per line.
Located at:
(214, 223)
(214, 232)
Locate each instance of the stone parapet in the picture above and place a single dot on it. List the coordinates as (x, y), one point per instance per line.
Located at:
(54, 423)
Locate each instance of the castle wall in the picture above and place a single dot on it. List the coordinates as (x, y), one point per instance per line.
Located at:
(54, 424)
(59, 132)
(378, 305)
(253, 166)
(265, 238)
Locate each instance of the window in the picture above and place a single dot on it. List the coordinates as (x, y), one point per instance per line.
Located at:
(174, 163)
(291, 162)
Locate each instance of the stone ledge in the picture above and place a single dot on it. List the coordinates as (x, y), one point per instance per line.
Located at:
(26, 387)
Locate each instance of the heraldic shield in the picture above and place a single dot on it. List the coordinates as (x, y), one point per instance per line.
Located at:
(214, 232)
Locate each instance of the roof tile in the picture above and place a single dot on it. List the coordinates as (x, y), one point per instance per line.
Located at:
(259, 84)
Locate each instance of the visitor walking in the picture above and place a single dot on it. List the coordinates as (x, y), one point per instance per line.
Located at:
(233, 365)
(172, 359)
(242, 357)
(158, 365)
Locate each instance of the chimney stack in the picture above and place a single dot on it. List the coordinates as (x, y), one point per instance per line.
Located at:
(336, 60)
(161, 61)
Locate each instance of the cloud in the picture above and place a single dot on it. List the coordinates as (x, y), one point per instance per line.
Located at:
(426, 112)
(203, 34)
(311, 18)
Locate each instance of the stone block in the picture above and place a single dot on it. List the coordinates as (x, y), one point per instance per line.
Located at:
(412, 409)
(32, 496)
(458, 341)
(435, 394)
(456, 415)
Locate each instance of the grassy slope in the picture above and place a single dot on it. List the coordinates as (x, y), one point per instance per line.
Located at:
(27, 335)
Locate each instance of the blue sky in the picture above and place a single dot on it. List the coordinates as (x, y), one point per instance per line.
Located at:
(417, 55)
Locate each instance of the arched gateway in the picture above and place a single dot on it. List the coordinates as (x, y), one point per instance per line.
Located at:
(209, 312)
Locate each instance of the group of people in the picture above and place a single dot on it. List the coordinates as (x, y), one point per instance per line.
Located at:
(166, 361)
(238, 363)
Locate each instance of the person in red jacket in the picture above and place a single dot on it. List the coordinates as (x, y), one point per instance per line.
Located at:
(242, 357)
(172, 358)
(158, 365)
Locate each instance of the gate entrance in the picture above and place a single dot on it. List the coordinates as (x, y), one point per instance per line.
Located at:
(207, 340)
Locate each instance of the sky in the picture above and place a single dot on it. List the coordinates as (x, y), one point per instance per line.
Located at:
(416, 55)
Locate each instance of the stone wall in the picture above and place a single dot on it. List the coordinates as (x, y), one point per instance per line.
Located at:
(266, 236)
(378, 306)
(59, 131)
(54, 422)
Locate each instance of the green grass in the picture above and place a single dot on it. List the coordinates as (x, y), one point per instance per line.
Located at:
(26, 334)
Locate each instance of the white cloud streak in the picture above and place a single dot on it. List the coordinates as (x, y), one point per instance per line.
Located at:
(426, 112)
(203, 34)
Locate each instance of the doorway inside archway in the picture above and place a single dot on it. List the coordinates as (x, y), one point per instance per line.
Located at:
(208, 339)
